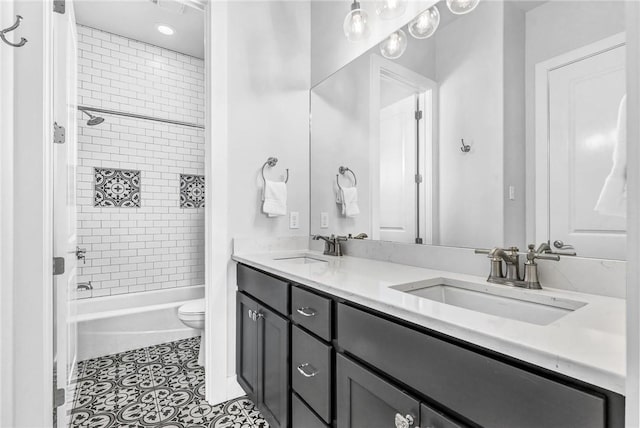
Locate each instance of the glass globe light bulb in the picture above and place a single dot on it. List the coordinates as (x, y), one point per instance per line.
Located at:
(425, 24)
(356, 26)
(390, 9)
(460, 7)
(394, 46)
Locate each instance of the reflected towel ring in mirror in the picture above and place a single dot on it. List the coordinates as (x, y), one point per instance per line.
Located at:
(271, 162)
(342, 170)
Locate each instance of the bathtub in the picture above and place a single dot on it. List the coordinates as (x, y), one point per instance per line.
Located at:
(112, 324)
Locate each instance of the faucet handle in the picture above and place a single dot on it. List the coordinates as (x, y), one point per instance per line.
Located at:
(482, 251)
(533, 255)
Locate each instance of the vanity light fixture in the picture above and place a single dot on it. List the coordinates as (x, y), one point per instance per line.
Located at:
(425, 24)
(460, 7)
(356, 26)
(390, 9)
(394, 46)
(165, 29)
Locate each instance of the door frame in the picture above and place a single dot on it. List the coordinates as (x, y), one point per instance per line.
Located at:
(428, 88)
(542, 183)
(6, 225)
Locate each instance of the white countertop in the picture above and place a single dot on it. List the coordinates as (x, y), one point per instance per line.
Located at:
(587, 344)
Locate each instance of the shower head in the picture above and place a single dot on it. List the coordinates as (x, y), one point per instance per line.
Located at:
(93, 120)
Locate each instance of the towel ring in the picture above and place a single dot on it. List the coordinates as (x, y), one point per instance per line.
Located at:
(343, 170)
(271, 162)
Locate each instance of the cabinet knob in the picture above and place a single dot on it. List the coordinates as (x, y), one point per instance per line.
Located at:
(306, 311)
(404, 421)
(307, 370)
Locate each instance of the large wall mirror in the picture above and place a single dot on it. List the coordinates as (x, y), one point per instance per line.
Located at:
(505, 127)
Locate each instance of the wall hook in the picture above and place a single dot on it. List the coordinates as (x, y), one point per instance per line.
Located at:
(465, 147)
(22, 41)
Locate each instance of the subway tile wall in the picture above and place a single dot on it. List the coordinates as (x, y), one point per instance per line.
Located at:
(158, 245)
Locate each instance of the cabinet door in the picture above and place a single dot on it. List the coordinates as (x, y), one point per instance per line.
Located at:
(247, 344)
(366, 400)
(273, 368)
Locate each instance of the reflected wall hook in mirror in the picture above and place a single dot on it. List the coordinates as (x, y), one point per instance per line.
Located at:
(465, 147)
(22, 41)
(271, 162)
(343, 170)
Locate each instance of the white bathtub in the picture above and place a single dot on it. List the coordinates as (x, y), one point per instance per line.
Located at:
(112, 324)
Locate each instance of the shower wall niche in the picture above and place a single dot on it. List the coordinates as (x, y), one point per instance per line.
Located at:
(140, 181)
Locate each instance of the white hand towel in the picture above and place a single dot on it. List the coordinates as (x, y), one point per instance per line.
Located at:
(613, 197)
(275, 198)
(350, 201)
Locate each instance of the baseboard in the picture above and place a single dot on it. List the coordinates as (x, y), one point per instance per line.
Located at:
(234, 390)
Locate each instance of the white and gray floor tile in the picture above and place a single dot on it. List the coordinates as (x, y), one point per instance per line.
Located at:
(158, 386)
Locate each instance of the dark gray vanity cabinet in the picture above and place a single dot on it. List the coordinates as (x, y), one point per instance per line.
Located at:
(312, 360)
(262, 344)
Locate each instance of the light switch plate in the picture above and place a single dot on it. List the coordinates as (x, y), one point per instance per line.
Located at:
(512, 193)
(294, 220)
(324, 220)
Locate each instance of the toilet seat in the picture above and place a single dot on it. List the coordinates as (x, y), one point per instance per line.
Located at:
(193, 310)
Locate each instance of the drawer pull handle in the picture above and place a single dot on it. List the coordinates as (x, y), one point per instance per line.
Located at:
(404, 421)
(306, 311)
(307, 370)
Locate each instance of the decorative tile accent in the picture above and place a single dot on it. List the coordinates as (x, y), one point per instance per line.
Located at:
(117, 188)
(191, 191)
(160, 385)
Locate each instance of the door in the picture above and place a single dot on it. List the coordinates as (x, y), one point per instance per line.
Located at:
(398, 169)
(365, 400)
(247, 345)
(273, 367)
(64, 209)
(587, 120)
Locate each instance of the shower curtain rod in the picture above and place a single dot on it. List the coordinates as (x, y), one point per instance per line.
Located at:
(139, 116)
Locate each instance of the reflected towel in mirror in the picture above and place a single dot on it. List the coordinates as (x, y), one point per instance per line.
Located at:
(613, 197)
(349, 197)
(275, 198)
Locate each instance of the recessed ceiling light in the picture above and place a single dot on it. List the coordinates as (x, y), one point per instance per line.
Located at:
(165, 29)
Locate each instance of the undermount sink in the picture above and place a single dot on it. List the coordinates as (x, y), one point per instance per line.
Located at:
(301, 260)
(499, 300)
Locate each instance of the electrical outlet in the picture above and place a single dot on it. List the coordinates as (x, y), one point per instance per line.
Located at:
(512, 193)
(294, 220)
(324, 220)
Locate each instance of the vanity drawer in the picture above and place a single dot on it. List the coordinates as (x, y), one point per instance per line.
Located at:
(272, 291)
(302, 416)
(485, 390)
(311, 371)
(311, 311)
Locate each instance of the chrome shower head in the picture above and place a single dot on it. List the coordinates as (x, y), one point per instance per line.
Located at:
(93, 120)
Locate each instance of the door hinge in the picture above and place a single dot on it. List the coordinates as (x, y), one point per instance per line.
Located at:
(59, 6)
(418, 178)
(58, 265)
(418, 114)
(59, 134)
(58, 397)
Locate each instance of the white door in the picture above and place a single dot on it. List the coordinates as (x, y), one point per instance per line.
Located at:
(398, 211)
(585, 96)
(64, 202)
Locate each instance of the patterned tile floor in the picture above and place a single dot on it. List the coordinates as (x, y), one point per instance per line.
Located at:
(158, 386)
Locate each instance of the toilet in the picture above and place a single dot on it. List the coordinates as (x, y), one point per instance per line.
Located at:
(192, 315)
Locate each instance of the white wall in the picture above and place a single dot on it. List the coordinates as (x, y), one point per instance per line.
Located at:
(267, 115)
(340, 137)
(158, 245)
(469, 60)
(548, 34)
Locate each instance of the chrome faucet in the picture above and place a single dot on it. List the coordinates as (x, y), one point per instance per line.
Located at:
(511, 258)
(85, 286)
(332, 245)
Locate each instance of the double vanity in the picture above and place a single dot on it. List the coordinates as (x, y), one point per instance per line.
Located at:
(352, 342)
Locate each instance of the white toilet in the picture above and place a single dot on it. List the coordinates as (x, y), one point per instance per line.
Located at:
(192, 315)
